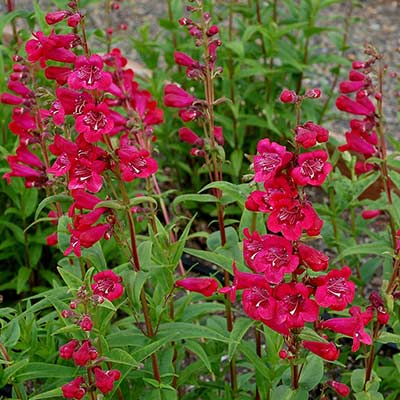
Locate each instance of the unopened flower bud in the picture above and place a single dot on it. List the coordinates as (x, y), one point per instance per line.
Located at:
(115, 6)
(288, 96)
(74, 20)
(340, 388)
(109, 31)
(73, 304)
(86, 324)
(314, 93)
(378, 96)
(213, 30)
(283, 354)
(358, 64)
(123, 27)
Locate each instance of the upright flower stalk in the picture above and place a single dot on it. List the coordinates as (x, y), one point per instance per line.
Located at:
(202, 111)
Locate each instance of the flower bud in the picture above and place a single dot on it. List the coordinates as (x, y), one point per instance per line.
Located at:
(314, 93)
(340, 388)
(86, 324)
(213, 30)
(288, 96)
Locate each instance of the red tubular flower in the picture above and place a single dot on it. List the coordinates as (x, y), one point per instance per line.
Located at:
(174, 96)
(188, 136)
(104, 380)
(108, 285)
(94, 122)
(272, 158)
(88, 74)
(327, 351)
(344, 103)
(275, 259)
(205, 286)
(67, 350)
(288, 96)
(290, 217)
(74, 20)
(294, 307)
(84, 354)
(136, 163)
(184, 60)
(352, 327)
(53, 47)
(335, 290)
(371, 214)
(8, 98)
(56, 16)
(309, 134)
(313, 168)
(59, 74)
(312, 258)
(252, 245)
(218, 134)
(340, 388)
(357, 143)
(74, 389)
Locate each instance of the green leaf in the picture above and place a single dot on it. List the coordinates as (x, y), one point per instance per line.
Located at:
(148, 350)
(184, 330)
(95, 256)
(11, 334)
(198, 350)
(358, 378)
(378, 247)
(22, 278)
(51, 394)
(198, 198)
(57, 198)
(388, 337)
(238, 192)
(240, 327)
(41, 370)
(119, 356)
(312, 373)
(248, 350)
(142, 199)
(113, 204)
(11, 370)
(63, 235)
(71, 280)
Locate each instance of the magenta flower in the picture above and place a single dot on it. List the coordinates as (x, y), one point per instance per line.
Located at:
(272, 158)
(288, 96)
(340, 388)
(74, 389)
(312, 258)
(290, 217)
(88, 74)
(344, 103)
(53, 47)
(259, 304)
(188, 136)
(84, 353)
(294, 307)
(104, 380)
(352, 327)
(108, 285)
(205, 286)
(184, 60)
(312, 168)
(174, 96)
(56, 16)
(136, 163)
(358, 143)
(309, 134)
(334, 290)
(327, 351)
(94, 122)
(67, 350)
(252, 245)
(275, 259)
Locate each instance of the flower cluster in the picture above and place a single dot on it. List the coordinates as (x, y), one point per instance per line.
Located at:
(289, 285)
(106, 285)
(98, 121)
(190, 107)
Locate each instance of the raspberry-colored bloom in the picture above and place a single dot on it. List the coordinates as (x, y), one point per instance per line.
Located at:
(288, 96)
(74, 20)
(84, 354)
(344, 103)
(94, 122)
(358, 143)
(104, 380)
(275, 259)
(174, 96)
(272, 158)
(334, 290)
(188, 136)
(312, 258)
(340, 388)
(205, 286)
(294, 307)
(327, 351)
(67, 350)
(136, 163)
(371, 214)
(53, 47)
(314, 93)
(56, 16)
(184, 60)
(258, 303)
(86, 323)
(379, 305)
(353, 326)
(108, 285)
(312, 168)
(88, 74)
(290, 217)
(308, 134)
(74, 389)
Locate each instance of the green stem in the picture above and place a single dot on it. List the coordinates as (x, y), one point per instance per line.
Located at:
(6, 356)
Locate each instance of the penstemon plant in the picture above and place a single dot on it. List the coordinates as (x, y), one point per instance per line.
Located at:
(128, 316)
